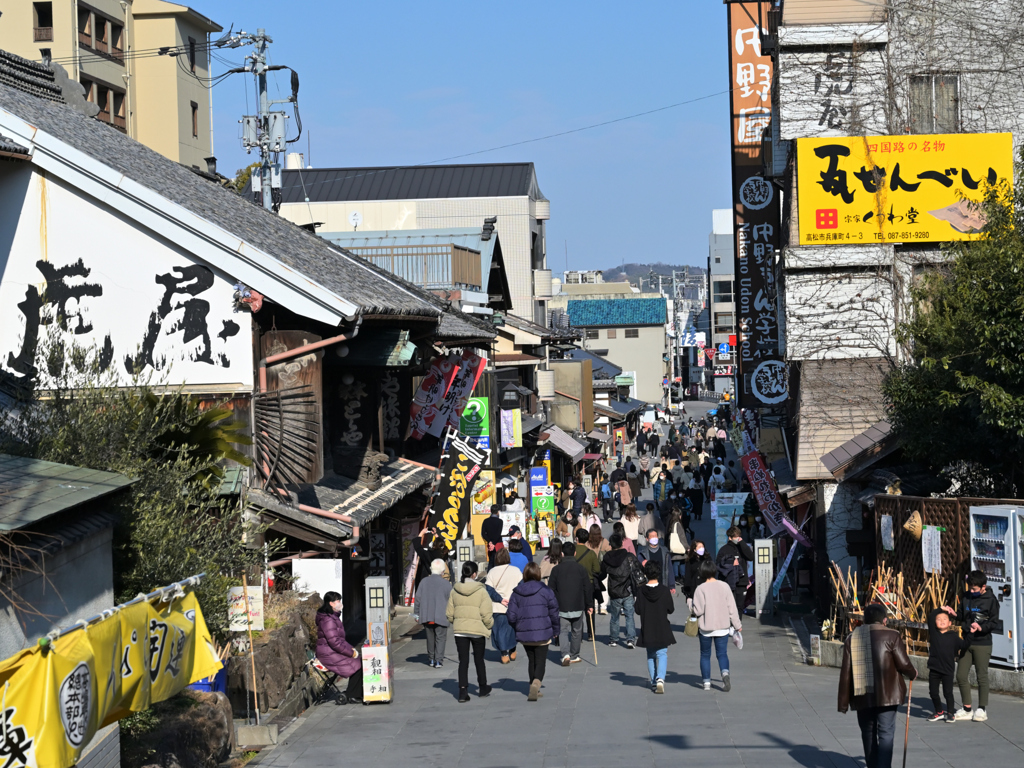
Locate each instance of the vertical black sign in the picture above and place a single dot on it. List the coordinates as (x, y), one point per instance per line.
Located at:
(761, 373)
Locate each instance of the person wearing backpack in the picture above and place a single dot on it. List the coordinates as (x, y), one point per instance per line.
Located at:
(732, 563)
(607, 497)
(622, 570)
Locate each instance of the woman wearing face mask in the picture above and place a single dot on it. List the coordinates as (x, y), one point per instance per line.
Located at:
(691, 563)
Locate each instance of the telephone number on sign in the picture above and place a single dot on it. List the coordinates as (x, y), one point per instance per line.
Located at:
(902, 236)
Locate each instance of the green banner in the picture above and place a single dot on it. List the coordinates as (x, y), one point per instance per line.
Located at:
(476, 418)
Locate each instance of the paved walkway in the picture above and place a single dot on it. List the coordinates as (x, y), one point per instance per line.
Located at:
(780, 712)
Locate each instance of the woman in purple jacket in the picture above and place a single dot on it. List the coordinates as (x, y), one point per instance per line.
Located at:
(333, 650)
(533, 614)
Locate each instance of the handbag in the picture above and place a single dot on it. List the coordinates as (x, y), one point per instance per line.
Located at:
(692, 628)
(676, 544)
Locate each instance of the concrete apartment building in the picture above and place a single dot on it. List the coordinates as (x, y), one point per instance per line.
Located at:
(721, 290)
(630, 332)
(435, 197)
(111, 48)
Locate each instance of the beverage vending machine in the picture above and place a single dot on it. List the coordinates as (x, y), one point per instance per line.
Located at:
(997, 550)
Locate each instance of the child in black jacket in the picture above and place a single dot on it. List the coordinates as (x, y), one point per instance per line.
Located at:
(944, 647)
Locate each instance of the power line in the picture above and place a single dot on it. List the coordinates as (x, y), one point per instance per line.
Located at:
(533, 140)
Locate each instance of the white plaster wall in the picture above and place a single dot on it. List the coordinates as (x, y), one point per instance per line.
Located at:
(110, 266)
(839, 315)
(842, 513)
(833, 93)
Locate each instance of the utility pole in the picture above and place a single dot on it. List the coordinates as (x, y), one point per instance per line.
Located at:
(266, 131)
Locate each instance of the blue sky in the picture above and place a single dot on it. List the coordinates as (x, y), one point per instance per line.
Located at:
(395, 83)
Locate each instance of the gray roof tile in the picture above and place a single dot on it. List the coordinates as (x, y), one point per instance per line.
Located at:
(418, 182)
(349, 276)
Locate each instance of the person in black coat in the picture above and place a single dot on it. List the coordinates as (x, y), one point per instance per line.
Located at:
(574, 591)
(653, 605)
(732, 562)
(691, 574)
(490, 531)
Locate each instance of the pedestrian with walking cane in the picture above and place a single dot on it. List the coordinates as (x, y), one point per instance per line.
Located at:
(875, 661)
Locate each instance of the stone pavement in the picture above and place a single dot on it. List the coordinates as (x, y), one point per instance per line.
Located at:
(780, 712)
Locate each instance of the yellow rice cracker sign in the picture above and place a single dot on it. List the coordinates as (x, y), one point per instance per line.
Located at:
(897, 189)
(54, 702)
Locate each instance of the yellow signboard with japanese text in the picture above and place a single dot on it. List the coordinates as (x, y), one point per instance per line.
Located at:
(56, 698)
(897, 189)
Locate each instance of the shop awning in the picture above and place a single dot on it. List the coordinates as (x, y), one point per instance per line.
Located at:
(342, 495)
(559, 440)
(860, 452)
(531, 423)
(592, 456)
(601, 437)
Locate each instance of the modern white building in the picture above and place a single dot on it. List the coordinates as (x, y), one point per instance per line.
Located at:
(435, 197)
(721, 290)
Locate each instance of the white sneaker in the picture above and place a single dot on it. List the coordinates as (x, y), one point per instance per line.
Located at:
(707, 685)
(659, 687)
(963, 714)
(980, 715)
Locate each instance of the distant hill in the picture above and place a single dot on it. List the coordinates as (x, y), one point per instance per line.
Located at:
(630, 272)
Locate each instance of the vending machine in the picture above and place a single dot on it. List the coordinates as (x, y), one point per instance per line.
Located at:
(997, 538)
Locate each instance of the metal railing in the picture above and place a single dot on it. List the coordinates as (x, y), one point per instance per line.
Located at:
(428, 266)
(42, 34)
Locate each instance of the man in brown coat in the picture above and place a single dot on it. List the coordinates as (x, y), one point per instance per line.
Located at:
(871, 682)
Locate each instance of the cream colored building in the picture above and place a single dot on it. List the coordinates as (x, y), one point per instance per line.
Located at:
(111, 47)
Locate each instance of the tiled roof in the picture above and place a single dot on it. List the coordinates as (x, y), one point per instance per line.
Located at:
(32, 490)
(348, 276)
(590, 313)
(456, 326)
(11, 147)
(30, 77)
(328, 185)
(598, 364)
(346, 497)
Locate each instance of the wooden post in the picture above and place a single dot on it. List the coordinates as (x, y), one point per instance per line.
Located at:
(252, 651)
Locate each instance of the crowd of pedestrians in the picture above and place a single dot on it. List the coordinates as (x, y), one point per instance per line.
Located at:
(635, 575)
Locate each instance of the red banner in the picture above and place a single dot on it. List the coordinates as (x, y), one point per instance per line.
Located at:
(424, 410)
(763, 486)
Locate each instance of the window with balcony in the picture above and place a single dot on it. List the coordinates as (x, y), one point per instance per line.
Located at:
(118, 114)
(42, 22)
(632, 333)
(90, 89)
(593, 333)
(103, 99)
(935, 103)
(722, 291)
(85, 27)
(117, 40)
(611, 333)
